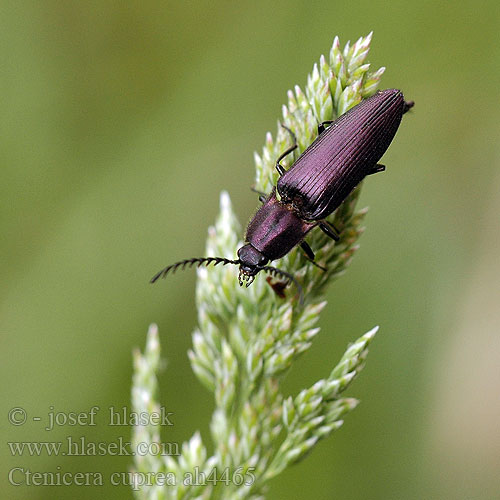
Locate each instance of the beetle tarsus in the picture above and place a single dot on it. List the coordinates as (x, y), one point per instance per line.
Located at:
(310, 255)
(279, 167)
(290, 131)
(376, 169)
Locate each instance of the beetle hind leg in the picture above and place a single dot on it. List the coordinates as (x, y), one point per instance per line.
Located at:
(310, 254)
(376, 169)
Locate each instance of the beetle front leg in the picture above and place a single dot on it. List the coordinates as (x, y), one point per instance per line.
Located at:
(329, 230)
(262, 196)
(279, 167)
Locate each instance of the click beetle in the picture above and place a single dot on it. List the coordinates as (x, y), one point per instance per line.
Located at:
(342, 155)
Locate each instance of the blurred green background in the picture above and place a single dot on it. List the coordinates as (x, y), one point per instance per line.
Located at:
(122, 122)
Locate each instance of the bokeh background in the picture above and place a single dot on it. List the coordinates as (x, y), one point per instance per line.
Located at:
(121, 123)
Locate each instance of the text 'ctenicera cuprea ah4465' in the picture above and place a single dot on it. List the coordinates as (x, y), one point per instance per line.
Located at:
(344, 153)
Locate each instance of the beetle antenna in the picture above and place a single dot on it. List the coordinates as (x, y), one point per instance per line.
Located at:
(200, 261)
(279, 272)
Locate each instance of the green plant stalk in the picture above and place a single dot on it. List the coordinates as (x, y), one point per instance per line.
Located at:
(248, 338)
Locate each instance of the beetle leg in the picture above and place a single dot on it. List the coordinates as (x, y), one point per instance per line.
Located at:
(321, 126)
(377, 168)
(279, 167)
(408, 105)
(329, 230)
(310, 254)
(307, 249)
(262, 196)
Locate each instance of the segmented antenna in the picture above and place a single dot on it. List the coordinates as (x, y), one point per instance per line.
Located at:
(275, 271)
(205, 261)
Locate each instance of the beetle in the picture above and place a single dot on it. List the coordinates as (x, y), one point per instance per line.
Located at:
(342, 155)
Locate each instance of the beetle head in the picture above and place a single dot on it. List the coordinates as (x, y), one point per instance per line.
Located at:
(251, 262)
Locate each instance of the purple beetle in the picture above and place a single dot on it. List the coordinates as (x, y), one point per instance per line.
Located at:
(315, 185)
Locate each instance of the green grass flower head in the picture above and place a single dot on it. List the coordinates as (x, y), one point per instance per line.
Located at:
(248, 338)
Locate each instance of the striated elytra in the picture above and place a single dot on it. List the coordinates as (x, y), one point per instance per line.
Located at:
(342, 155)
